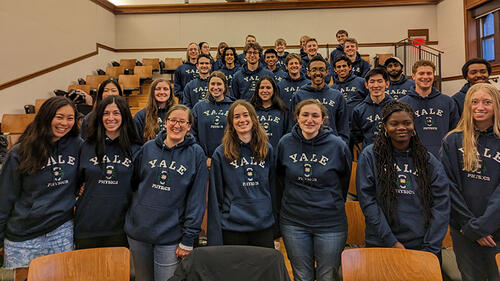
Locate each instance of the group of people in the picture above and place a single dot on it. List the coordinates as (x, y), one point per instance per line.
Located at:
(276, 154)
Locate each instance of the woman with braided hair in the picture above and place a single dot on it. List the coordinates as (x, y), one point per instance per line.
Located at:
(402, 189)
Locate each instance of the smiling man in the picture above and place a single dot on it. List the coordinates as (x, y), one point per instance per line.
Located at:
(332, 99)
(197, 89)
(245, 79)
(312, 51)
(436, 114)
(293, 80)
(399, 84)
(474, 71)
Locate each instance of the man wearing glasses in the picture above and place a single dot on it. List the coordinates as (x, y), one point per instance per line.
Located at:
(332, 99)
(246, 78)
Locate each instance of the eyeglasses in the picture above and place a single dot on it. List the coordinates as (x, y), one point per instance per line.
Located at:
(180, 122)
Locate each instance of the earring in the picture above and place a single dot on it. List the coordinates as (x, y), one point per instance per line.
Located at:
(413, 133)
(385, 134)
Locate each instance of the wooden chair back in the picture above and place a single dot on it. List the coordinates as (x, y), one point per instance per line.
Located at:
(137, 100)
(16, 123)
(352, 181)
(497, 257)
(383, 57)
(115, 71)
(94, 80)
(153, 62)
(85, 88)
(355, 223)
(129, 82)
(144, 71)
(172, 63)
(38, 104)
(110, 264)
(128, 63)
(447, 243)
(366, 57)
(389, 264)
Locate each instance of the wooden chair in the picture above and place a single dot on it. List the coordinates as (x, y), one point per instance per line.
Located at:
(366, 58)
(93, 81)
(128, 63)
(356, 223)
(153, 62)
(115, 71)
(171, 65)
(144, 71)
(85, 88)
(447, 243)
(137, 100)
(110, 264)
(383, 57)
(134, 110)
(352, 181)
(389, 264)
(497, 257)
(38, 104)
(130, 82)
(16, 123)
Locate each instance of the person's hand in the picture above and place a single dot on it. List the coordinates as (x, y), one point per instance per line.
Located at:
(487, 241)
(398, 245)
(209, 162)
(182, 253)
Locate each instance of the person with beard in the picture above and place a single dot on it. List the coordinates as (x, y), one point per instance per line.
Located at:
(332, 99)
(244, 80)
(435, 114)
(293, 80)
(359, 66)
(341, 35)
(474, 71)
(271, 59)
(399, 84)
(186, 71)
(351, 86)
(196, 90)
(280, 46)
(312, 51)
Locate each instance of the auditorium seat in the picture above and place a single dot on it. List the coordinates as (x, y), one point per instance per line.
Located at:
(355, 223)
(128, 63)
(171, 65)
(85, 88)
(366, 57)
(153, 62)
(38, 104)
(16, 123)
(389, 264)
(144, 71)
(115, 71)
(130, 83)
(137, 100)
(110, 264)
(381, 58)
(352, 181)
(93, 81)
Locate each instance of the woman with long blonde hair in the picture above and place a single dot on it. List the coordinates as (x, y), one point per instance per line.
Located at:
(471, 157)
(150, 120)
(240, 207)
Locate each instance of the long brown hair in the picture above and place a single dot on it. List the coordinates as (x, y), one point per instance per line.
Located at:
(231, 142)
(35, 144)
(151, 128)
(467, 127)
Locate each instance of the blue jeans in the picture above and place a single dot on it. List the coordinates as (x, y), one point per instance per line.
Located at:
(305, 246)
(475, 262)
(153, 262)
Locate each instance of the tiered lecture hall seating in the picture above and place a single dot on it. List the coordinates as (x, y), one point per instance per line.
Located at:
(115, 71)
(14, 125)
(153, 62)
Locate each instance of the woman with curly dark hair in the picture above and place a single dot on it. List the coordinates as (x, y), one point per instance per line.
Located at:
(402, 188)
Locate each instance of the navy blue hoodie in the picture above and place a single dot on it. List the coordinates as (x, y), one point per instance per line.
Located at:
(169, 201)
(85, 124)
(278, 74)
(338, 51)
(101, 209)
(400, 88)
(281, 61)
(354, 90)
(33, 205)
(182, 75)
(289, 86)
(274, 121)
(333, 100)
(475, 196)
(366, 120)
(217, 65)
(244, 81)
(209, 123)
(411, 230)
(436, 115)
(359, 66)
(313, 178)
(459, 98)
(140, 120)
(241, 194)
(229, 76)
(195, 91)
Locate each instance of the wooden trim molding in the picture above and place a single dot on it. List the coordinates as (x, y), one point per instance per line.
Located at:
(452, 78)
(258, 6)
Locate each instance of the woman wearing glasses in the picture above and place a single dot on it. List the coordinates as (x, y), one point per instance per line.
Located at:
(170, 177)
(150, 120)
